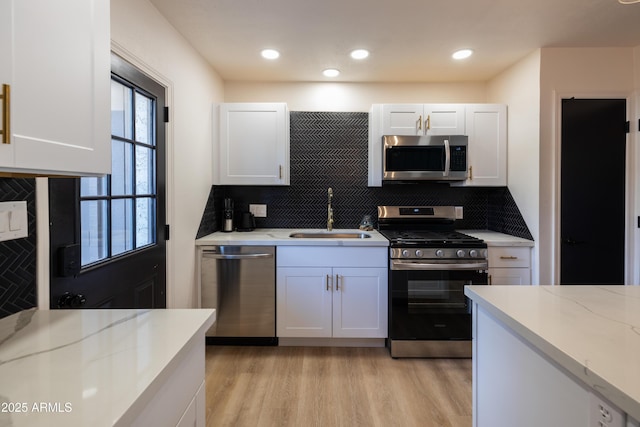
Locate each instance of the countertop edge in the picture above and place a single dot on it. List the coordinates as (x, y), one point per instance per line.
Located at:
(165, 373)
(497, 239)
(588, 378)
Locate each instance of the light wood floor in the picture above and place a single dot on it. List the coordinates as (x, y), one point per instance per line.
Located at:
(328, 386)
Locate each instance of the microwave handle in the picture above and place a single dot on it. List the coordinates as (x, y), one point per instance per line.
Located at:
(447, 158)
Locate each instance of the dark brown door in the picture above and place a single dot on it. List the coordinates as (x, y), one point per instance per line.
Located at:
(107, 234)
(593, 191)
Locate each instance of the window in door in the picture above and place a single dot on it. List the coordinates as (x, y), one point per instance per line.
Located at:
(118, 211)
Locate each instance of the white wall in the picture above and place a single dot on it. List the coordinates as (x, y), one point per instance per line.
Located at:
(566, 72)
(519, 88)
(321, 96)
(141, 34)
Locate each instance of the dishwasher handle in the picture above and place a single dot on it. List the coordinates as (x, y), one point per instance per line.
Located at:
(217, 255)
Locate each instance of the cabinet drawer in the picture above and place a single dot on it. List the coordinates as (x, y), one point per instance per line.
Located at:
(501, 257)
(331, 256)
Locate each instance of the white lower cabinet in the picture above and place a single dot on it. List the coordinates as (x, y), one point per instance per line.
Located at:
(509, 265)
(344, 298)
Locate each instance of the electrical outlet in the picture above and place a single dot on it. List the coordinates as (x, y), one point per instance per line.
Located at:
(604, 414)
(14, 223)
(459, 213)
(259, 211)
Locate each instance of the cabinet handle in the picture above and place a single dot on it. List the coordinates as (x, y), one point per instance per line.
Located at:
(471, 172)
(420, 122)
(280, 171)
(329, 278)
(489, 277)
(338, 277)
(428, 124)
(6, 114)
(508, 257)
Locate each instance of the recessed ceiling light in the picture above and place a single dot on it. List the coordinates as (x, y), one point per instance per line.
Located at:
(359, 53)
(462, 54)
(331, 72)
(270, 54)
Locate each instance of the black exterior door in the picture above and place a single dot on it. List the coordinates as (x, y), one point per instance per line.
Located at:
(593, 191)
(107, 234)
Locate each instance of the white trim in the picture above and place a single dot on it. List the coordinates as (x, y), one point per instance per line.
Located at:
(631, 246)
(141, 65)
(43, 255)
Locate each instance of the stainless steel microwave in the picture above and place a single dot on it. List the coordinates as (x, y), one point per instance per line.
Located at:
(424, 158)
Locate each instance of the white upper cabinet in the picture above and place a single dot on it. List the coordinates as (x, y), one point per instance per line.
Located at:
(487, 150)
(56, 65)
(253, 144)
(423, 119)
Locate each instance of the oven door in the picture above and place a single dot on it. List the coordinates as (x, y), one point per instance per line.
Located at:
(427, 301)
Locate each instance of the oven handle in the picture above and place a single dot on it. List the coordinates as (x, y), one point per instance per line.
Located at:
(404, 265)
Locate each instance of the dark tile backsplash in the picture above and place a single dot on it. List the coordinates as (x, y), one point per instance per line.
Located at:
(329, 149)
(18, 256)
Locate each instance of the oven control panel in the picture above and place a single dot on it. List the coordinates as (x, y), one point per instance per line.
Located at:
(435, 253)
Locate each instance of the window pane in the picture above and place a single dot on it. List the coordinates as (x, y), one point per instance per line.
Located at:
(145, 221)
(121, 168)
(121, 226)
(93, 230)
(121, 123)
(144, 119)
(145, 170)
(93, 186)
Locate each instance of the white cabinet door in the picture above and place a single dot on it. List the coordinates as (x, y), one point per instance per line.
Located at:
(423, 119)
(253, 144)
(360, 303)
(303, 301)
(487, 151)
(509, 276)
(402, 119)
(444, 119)
(56, 59)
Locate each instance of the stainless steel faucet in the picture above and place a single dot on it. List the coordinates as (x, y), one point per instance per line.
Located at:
(329, 210)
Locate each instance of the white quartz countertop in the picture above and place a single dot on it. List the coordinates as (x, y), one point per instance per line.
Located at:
(88, 367)
(280, 237)
(591, 331)
(495, 238)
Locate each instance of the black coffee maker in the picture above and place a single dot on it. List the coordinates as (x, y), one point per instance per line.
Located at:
(227, 222)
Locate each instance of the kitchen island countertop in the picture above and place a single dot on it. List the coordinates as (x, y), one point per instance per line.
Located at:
(90, 367)
(593, 332)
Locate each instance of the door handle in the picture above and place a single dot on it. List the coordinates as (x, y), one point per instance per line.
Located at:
(572, 242)
(68, 300)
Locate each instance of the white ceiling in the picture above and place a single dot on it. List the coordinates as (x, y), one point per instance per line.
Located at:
(409, 40)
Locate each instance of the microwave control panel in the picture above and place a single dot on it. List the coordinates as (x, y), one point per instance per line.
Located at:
(458, 158)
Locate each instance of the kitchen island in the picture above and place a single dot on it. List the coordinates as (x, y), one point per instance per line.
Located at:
(103, 367)
(556, 355)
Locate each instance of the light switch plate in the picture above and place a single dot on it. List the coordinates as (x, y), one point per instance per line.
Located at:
(13, 220)
(259, 211)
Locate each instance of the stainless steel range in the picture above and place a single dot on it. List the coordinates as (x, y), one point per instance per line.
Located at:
(429, 265)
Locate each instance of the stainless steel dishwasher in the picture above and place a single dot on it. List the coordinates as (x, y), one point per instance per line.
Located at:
(240, 283)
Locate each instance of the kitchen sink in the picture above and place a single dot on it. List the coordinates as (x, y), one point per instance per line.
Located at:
(329, 235)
